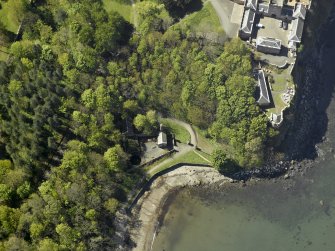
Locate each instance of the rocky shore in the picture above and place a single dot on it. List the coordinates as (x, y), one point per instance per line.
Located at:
(307, 130)
(307, 119)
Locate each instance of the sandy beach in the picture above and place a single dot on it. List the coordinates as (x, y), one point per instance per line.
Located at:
(150, 207)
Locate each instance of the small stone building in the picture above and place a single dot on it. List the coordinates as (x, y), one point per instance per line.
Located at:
(264, 97)
(162, 140)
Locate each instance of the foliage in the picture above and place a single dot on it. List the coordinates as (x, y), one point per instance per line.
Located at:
(148, 124)
(74, 83)
(12, 13)
(222, 163)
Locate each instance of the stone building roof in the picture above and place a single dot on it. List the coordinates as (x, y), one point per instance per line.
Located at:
(248, 21)
(268, 42)
(300, 11)
(264, 98)
(297, 29)
(251, 4)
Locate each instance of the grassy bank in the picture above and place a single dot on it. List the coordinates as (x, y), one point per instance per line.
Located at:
(124, 8)
(190, 157)
(204, 21)
(179, 131)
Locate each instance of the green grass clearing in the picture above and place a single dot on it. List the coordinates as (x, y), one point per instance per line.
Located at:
(179, 131)
(203, 21)
(124, 8)
(3, 55)
(206, 156)
(149, 167)
(10, 19)
(189, 157)
(208, 145)
(282, 82)
(278, 103)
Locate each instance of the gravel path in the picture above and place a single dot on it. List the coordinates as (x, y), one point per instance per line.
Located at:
(181, 148)
(189, 128)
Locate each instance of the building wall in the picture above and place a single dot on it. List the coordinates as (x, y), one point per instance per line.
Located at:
(241, 2)
(243, 35)
(267, 49)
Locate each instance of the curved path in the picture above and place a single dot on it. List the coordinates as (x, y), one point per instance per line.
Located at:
(189, 128)
(182, 148)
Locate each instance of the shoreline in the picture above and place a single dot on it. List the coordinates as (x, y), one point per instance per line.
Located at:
(150, 208)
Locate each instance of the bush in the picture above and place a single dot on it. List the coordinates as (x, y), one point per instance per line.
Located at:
(222, 163)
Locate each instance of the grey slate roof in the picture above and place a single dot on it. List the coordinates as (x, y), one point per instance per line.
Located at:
(248, 21)
(264, 98)
(252, 4)
(297, 29)
(268, 42)
(300, 11)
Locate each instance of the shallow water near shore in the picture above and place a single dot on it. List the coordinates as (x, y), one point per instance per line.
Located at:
(294, 214)
(261, 216)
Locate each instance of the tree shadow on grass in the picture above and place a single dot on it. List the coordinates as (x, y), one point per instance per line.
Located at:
(178, 10)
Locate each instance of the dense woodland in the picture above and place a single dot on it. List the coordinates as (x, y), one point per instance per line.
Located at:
(72, 80)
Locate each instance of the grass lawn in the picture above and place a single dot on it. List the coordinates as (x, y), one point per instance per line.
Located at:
(206, 156)
(11, 23)
(124, 8)
(205, 21)
(208, 145)
(3, 54)
(189, 157)
(279, 104)
(180, 132)
(281, 83)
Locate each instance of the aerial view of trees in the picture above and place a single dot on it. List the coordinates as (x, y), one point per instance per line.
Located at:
(75, 76)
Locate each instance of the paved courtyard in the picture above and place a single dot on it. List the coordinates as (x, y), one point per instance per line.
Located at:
(237, 14)
(151, 151)
(272, 29)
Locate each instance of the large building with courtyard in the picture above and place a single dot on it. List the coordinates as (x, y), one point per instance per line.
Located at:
(272, 24)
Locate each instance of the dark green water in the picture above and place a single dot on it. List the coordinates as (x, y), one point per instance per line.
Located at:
(295, 214)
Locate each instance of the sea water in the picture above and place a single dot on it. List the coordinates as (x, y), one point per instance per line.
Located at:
(274, 215)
